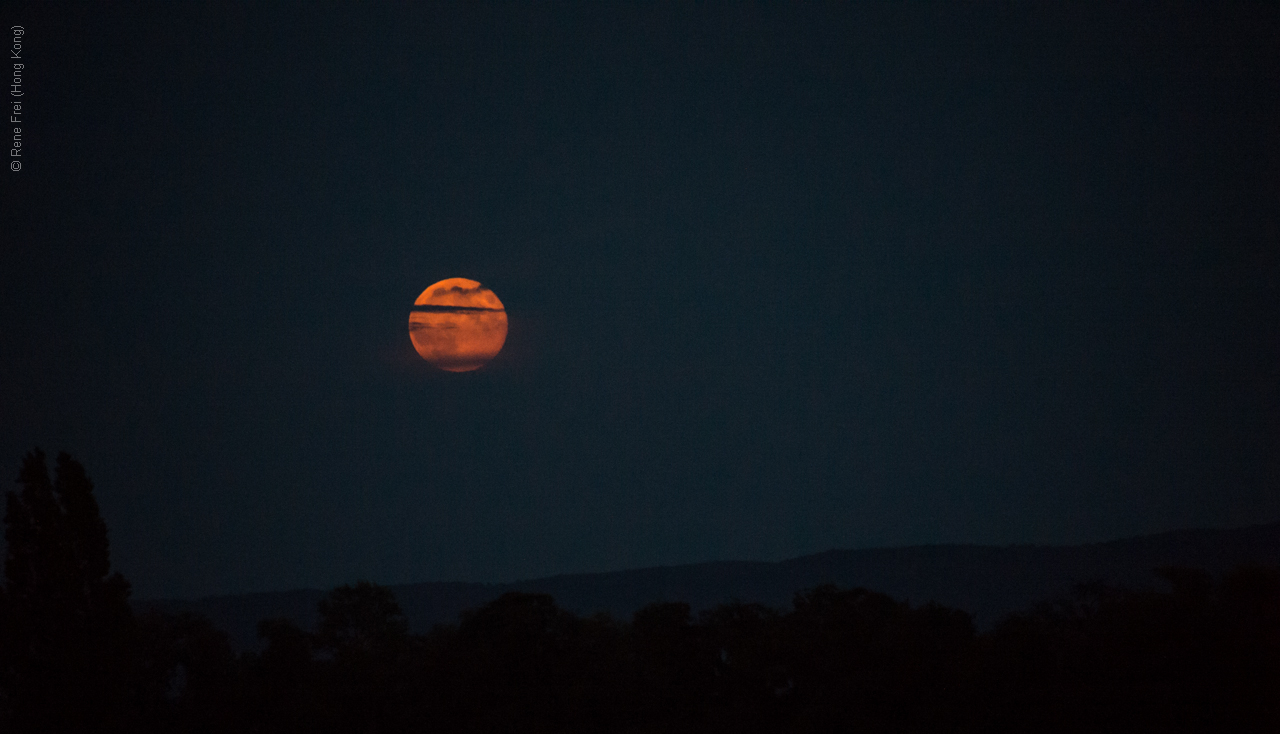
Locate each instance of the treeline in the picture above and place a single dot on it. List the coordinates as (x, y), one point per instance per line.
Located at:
(1203, 655)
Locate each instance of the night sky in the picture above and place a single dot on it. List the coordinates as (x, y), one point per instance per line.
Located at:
(779, 278)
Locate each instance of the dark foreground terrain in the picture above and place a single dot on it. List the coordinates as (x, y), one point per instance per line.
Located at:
(1197, 651)
(989, 582)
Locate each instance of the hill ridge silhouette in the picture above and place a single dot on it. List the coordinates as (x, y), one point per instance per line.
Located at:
(988, 581)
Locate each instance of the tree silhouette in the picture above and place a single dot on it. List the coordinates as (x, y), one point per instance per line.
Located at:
(283, 687)
(1200, 654)
(360, 620)
(365, 636)
(864, 660)
(753, 681)
(69, 629)
(192, 679)
(526, 663)
(676, 663)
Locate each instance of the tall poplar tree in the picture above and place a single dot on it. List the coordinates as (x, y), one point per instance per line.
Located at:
(68, 627)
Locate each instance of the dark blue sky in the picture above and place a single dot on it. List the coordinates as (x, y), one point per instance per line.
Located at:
(780, 278)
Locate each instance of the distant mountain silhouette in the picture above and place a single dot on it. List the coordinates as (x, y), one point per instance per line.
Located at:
(987, 581)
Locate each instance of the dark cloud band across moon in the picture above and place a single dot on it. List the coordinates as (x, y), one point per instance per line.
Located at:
(456, 309)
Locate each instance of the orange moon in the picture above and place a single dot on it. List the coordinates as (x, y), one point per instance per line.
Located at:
(458, 325)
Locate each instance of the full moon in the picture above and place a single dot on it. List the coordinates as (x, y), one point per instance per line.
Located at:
(458, 325)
